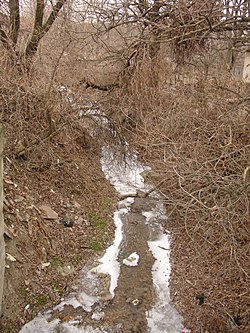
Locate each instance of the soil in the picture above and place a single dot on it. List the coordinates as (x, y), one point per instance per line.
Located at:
(47, 254)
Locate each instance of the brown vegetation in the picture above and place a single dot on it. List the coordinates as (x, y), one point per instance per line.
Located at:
(49, 159)
(195, 136)
(190, 123)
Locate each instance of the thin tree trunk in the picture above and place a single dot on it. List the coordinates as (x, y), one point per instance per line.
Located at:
(41, 29)
(14, 21)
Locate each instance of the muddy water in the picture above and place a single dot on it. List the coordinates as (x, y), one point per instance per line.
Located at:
(135, 294)
(127, 290)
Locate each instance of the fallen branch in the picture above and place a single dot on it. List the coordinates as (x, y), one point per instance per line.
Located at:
(107, 87)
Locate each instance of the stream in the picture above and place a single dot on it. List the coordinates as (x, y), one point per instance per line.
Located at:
(127, 290)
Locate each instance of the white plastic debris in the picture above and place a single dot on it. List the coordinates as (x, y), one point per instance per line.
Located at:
(135, 302)
(10, 257)
(45, 264)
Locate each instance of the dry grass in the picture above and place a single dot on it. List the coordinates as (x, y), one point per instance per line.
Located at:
(196, 138)
(38, 116)
(49, 159)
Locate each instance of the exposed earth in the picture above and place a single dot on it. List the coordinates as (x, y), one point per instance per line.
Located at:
(46, 255)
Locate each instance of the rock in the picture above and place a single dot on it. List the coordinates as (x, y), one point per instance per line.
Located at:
(94, 270)
(145, 173)
(97, 316)
(105, 295)
(79, 220)
(67, 221)
(45, 264)
(20, 148)
(142, 194)
(68, 318)
(103, 275)
(48, 213)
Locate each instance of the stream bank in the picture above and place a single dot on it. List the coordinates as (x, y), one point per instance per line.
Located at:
(127, 290)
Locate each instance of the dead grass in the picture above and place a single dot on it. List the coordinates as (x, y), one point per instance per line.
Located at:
(49, 159)
(195, 135)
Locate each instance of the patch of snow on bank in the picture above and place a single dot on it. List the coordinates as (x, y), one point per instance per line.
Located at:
(109, 264)
(162, 317)
(40, 324)
(81, 299)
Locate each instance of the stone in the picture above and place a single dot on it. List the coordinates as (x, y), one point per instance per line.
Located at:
(67, 221)
(141, 194)
(97, 316)
(45, 265)
(48, 213)
(79, 220)
(106, 296)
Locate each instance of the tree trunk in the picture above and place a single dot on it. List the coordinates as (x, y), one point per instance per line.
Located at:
(14, 21)
(41, 29)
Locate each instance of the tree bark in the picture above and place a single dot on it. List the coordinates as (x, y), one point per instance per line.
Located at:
(14, 21)
(41, 29)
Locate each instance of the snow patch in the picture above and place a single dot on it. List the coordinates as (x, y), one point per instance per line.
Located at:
(109, 263)
(162, 317)
(132, 259)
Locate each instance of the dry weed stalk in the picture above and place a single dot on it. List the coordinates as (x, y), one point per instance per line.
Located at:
(195, 135)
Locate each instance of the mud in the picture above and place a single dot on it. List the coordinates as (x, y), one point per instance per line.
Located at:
(135, 293)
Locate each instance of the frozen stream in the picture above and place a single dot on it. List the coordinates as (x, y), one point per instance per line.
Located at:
(127, 290)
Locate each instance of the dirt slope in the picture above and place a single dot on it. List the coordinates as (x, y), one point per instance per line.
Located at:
(49, 254)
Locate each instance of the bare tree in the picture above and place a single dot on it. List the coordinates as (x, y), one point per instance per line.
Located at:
(187, 25)
(10, 25)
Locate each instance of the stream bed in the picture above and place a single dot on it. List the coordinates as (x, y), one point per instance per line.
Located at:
(126, 291)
